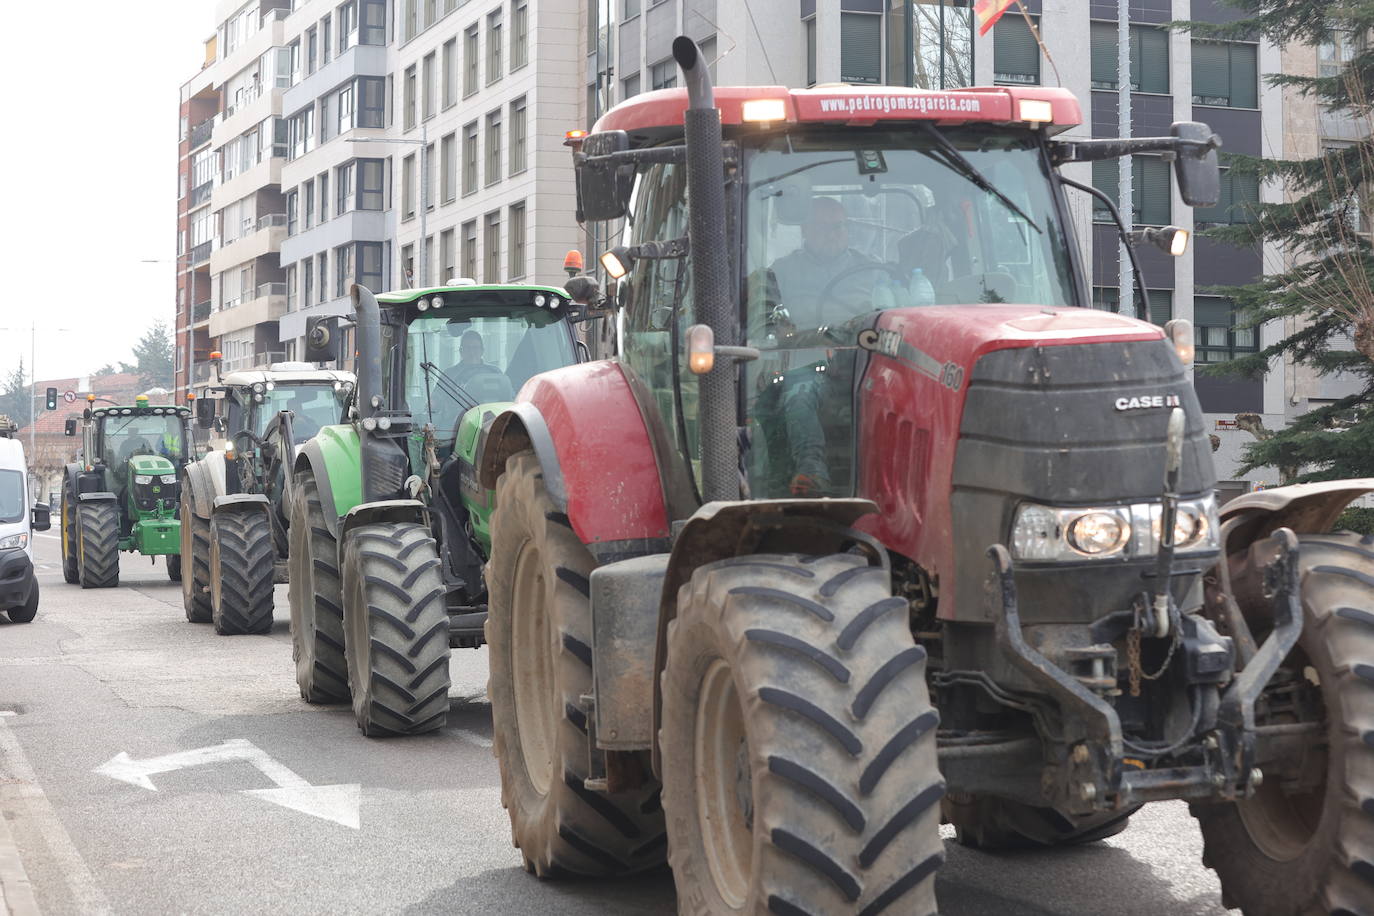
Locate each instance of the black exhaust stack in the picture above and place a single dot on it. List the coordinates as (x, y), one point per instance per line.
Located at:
(710, 272)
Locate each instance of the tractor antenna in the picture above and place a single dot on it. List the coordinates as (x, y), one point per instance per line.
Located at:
(762, 44)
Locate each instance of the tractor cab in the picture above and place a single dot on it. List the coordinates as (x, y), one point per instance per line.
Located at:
(253, 399)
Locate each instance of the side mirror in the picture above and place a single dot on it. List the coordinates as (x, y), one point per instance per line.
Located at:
(583, 290)
(69, 428)
(322, 339)
(603, 188)
(205, 412)
(1195, 164)
(41, 519)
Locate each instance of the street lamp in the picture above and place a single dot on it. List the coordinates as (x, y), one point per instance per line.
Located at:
(423, 143)
(191, 316)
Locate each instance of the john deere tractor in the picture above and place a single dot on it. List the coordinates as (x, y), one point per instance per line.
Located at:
(389, 528)
(122, 493)
(233, 508)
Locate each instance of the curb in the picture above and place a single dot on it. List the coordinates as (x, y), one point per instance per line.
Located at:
(16, 893)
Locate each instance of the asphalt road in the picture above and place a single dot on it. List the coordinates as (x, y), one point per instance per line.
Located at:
(106, 673)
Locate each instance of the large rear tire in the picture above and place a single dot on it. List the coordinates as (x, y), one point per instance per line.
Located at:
(1302, 854)
(396, 626)
(71, 570)
(317, 624)
(539, 636)
(98, 543)
(992, 824)
(798, 743)
(241, 570)
(195, 545)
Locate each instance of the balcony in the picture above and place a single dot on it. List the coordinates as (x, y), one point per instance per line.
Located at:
(261, 174)
(267, 302)
(201, 253)
(259, 360)
(200, 194)
(263, 237)
(200, 312)
(200, 134)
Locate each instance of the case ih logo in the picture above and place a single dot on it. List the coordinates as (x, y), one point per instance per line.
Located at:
(1148, 402)
(853, 104)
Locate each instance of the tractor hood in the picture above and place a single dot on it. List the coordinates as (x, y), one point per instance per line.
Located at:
(150, 464)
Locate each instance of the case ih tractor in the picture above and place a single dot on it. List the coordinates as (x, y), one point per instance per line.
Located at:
(233, 509)
(122, 492)
(836, 550)
(389, 528)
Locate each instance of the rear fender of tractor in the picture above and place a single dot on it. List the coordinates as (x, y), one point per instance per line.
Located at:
(600, 462)
(1305, 508)
(334, 456)
(206, 479)
(243, 502)
(386, 512)
(722, 530)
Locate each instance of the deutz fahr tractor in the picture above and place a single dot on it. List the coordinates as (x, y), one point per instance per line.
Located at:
(233, 508)
(874, 523)
(389, 528)
(122, 492)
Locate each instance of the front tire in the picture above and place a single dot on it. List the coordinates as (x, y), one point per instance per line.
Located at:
(195, 544)
(317, 622)
(539, 636)
(174, 567)
(798, 743)
(28, 610)
(98, 543)
(1302, 854)
(241, 571)
(71, 567)
(396, 625)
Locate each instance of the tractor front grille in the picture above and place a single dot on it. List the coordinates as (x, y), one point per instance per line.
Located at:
(146, 495)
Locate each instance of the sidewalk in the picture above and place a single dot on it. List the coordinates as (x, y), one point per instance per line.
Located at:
(16, 893)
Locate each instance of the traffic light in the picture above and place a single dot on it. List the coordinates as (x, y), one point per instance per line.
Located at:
(52, 398)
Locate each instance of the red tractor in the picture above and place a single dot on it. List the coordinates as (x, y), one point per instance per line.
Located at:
(873, 524)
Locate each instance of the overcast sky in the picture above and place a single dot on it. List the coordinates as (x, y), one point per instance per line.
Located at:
(90, 159)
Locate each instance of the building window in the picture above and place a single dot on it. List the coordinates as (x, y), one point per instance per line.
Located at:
(324, 40)
(448, 168)
(311, 53)
(308, 199)
(448, 264)
(346, 187)
(1225, 74)
(810, 26)
(663, 75)
(494, 147)
(408, 187)
(494, 36)
(412, 20)
(428, 278)
(307, 284)
(630, 9)
(293, 52)
(344, 105)
(428, 87)
(1235, 204)
(470, 143)
(322, 286)
(371, 271)
(1015, 53)
(408, 100)
(373, 110)
(372, 22)
(371, 184)
(469, 253)
(491, 248)
(1161, 302)
(1149, 57)
(1149, 189)
(303, 132)
(408, 266)
(517, 136)
(1340, 48)
(861, 37)
(291, 299)
(323, 182)
(1215, 334)
(292, 211)
(520, 36)
(629, 87)
(431, 12)
(470, 60)
(343, 269)
(449, 61)
(516, 228)
(427, 181)
(348, 25)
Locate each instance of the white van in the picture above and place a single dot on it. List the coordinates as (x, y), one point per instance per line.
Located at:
(18, 586)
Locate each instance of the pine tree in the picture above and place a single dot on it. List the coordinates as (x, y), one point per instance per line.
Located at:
(14, 395)
(1325, 295)
(153, 358)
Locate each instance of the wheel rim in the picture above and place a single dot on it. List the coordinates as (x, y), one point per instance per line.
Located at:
(1282, 824)
(532, 665)
(724, 786)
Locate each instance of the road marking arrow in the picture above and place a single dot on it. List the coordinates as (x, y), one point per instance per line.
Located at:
(337, 803)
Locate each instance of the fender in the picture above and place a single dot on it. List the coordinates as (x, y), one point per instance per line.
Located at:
(721, 530)
(96, 497)
(1306, 508)
(588, 431)
(206, 477)
(394, 511)
(334, 455)
(243, 502)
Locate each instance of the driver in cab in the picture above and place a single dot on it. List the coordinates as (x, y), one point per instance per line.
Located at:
(470, 362)
(824, 267)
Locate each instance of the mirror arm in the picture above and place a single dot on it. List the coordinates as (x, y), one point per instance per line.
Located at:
(1143, 298)
(654, 155)
(1062, 151)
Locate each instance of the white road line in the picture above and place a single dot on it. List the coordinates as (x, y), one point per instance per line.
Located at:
(54, 537)
(24, 797)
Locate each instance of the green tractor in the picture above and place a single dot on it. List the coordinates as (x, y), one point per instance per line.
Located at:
(123, 493)
(233, 508)
(389, 527)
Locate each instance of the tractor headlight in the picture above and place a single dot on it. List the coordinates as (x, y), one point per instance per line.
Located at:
(259, 387)
(1097, 533)
(169, 478)
(1047, 533)
(19, 540)
(143, 479)
(1036, 534)
(384, 423)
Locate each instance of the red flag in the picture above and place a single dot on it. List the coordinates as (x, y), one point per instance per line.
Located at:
(988, 12)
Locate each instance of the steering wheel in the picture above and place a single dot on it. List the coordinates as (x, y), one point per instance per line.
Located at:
(132, 447)
(252, 437)
(476, 369)
(891, 270)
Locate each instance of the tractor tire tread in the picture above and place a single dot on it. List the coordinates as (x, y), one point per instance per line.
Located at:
(242, 558)
(98, 524)
(317, 620)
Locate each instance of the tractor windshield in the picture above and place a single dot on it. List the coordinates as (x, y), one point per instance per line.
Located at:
(141, 434)
(457, 358)
(313, 406)
(841, 225)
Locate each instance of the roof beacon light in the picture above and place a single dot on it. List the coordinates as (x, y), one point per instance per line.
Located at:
(1037, 111)
(574, 138)
(141, 401)
(1180, 333)
(215, 354)
(701, 348)
(572, 262)
(769, 110)
(90, 398)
